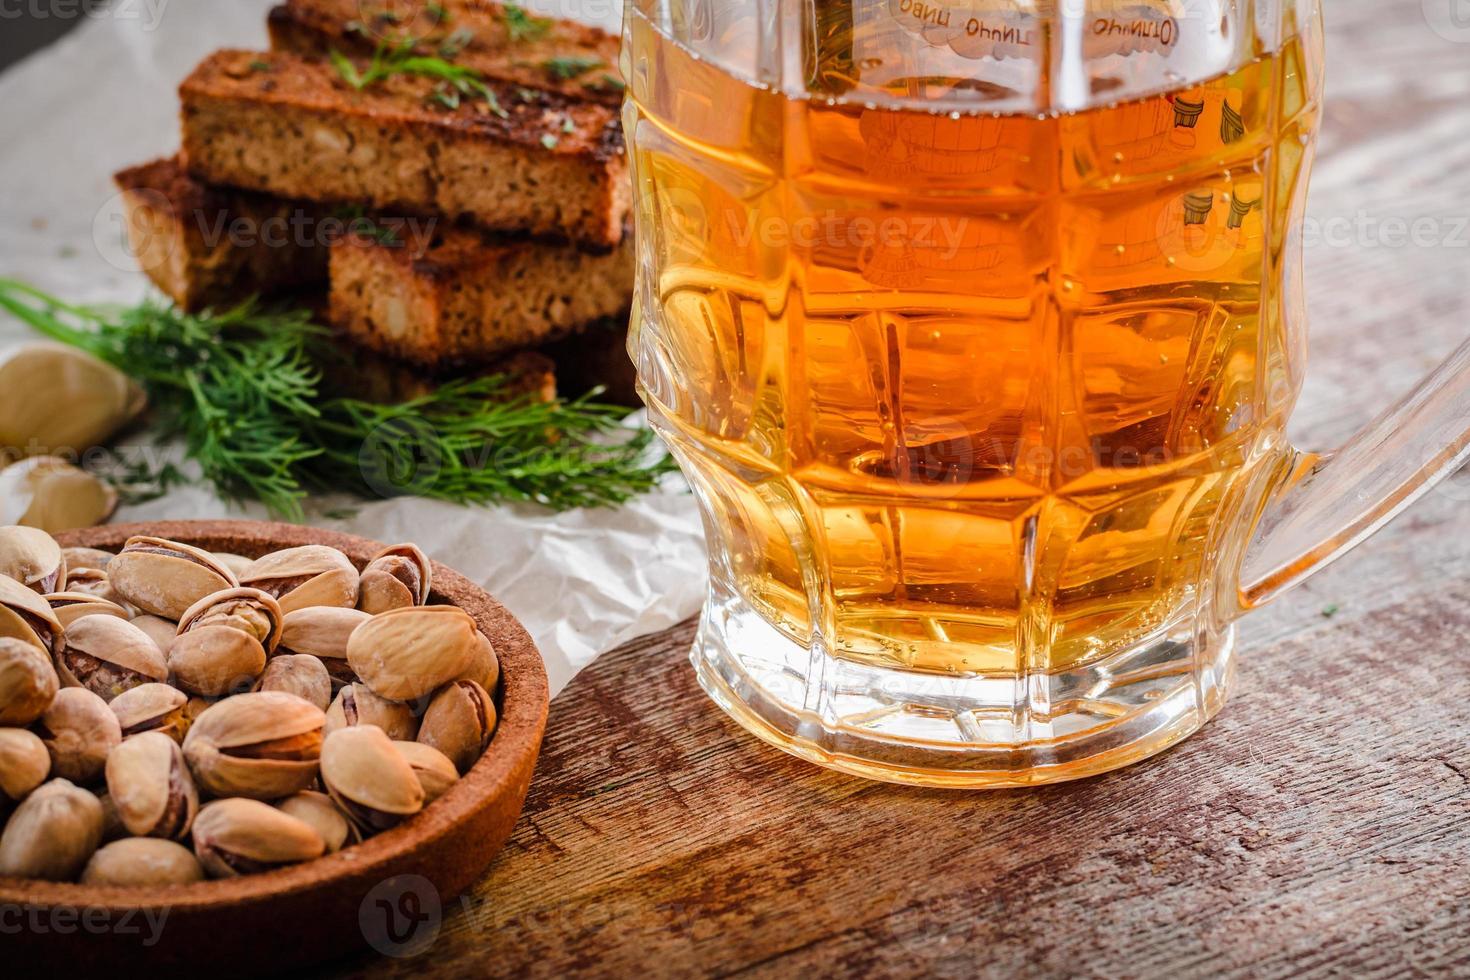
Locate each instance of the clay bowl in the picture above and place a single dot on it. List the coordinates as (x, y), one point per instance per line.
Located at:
(384, 893)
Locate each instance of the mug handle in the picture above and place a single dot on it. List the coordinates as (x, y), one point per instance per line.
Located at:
(1327, 503)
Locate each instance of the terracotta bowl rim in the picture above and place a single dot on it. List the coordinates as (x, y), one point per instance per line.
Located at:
(524, 698)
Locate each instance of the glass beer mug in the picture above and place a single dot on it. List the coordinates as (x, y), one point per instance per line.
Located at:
(975, 326)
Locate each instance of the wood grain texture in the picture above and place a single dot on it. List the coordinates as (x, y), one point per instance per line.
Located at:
(1321, 826)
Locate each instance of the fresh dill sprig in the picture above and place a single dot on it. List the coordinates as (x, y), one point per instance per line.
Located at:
(242, 388)
(567, 67)
(522, 26)
(399, 58)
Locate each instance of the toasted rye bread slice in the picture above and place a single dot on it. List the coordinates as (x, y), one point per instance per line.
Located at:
(365, 374)
(467, 297)
(499, 41)
(292, 126)
(214, 246)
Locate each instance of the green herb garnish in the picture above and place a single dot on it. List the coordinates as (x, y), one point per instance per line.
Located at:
(607, 81)
(567, 126)
(456, 42)
(400, 59)
(570, 66)
(521, 26)
(242, 389)
(437, 13)
(549, 141)
(260, 66)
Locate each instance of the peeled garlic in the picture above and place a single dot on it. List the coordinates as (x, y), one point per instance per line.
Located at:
(60, 398)
(51, 494)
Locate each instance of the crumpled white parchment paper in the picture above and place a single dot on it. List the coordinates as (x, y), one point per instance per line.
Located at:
(104, 98)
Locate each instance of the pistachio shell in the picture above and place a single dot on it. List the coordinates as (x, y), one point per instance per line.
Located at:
(405, 654)
(369, 779)
(31, 557)
(241, 836)
(459, 723)
(262, 745)
(161, 631)
(54, 495)
(89, 558)
(24, 763)
(52, 833)
(25, 615)
(140, 862)
(216, 660)
(311, 575)
(324, 816)
(112, 825)
(61, 398)
(108, 656)
(251, 610)
(484, 668)
(300, 674)
(72, 606)
(79, 730)
(152, 708)
(165, 577)
(151, 787)
(356, 704)
(436, 773)
(235, 563)
(397, 576)
(28, 682)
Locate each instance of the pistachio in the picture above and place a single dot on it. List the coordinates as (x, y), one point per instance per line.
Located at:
(165, 577)
(396, 577)
(32, 557)
(248, 610)
(161, 631)
(405, 654)
(262, 745)
(28, 682)
(79, 730)
(52, 833)
(62, 398)
(150, 784)
(108, 656)
(24, 763)
(152, 708)
(112, 825)
(324, 816)
(433, 768)
(92, 581)
(235, 563)
(142, 862)
(322, 631)
(25, 615)
(299, 674)
(459, 722)
(79, 558)
(72, 606)
(356, 704)
(484, 668)
(311, 575)
(53, 495)
(242, 836)
(370, 779)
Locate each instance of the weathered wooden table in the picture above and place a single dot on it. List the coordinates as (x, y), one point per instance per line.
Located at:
(1320, 825)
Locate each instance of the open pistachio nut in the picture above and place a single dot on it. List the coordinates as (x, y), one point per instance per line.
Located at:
(80, 731)
(139, 862)
(32, 557)
(165, 577)
(262, 745)
(324, 816)
(27, 616)
(152, 708)
(62, 398)
(370, 779)
(300, 674)
(151, 786)
(322, 632)
(435, 771)
(72, 606)
(108, 656)
(459, 722)
(356, 704)
(52, 833)
(24, 763)
(28, 682)
(223, 641)
(92, 581)
(243, 836)
(396, 577)
(54, 495)
(311, 575)
(406, 654)
(161, 631)
(80, 558)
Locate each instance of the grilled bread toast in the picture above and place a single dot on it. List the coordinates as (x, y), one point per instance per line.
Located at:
(519, 160)
(501, 41)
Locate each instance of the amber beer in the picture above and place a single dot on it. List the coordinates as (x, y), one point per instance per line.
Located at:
(968, 392)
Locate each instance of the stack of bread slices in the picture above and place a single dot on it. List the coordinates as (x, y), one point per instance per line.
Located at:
(445, 180)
